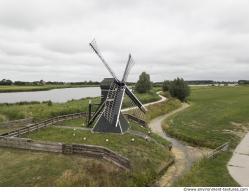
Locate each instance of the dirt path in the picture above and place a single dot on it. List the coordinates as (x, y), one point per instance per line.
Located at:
(185, 155)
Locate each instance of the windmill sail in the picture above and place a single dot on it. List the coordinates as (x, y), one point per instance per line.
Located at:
(129, 64)
(93, 44)
(135, 99)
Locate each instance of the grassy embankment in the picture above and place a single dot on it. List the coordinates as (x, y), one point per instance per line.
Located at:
(15, 88)
(216, 115)
(147, 158)
(43, 169)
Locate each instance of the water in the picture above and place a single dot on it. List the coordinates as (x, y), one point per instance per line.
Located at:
(55, 95)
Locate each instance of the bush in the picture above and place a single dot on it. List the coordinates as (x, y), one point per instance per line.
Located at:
(166, 85)
(50, 103)
(179, 89)
(144, 84)
(2, 118)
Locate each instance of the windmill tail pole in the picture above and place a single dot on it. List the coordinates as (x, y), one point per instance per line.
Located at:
(89, 111)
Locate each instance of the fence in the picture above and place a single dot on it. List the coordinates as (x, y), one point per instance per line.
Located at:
(43, 124)
(81, 149)
(25, 143)
(11, 139)
(51, 121)
(137, 120)
(97, 152)
(221, 148)
(16, 123)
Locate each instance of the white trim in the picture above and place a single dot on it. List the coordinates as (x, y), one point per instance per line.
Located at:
(98, 119)
(119, 111)
(120, 127)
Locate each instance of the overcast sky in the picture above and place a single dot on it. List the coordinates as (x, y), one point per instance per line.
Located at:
(49, 39)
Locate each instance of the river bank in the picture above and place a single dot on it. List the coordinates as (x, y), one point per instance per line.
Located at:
(15, 88)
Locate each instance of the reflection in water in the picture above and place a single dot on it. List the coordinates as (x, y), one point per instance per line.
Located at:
(55, 95)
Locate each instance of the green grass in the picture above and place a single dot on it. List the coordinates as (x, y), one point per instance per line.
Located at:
(43, 110)
(143, 97)
(81, 122)
(162, 108)
(14, 88)
(208, 173)
(28, 168)
(213, 111)
(205, 123)
(165, 107)
(156, 110)
(147, 131)
(147, 157)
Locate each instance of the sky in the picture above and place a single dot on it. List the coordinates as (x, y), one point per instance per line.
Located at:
(192, 39)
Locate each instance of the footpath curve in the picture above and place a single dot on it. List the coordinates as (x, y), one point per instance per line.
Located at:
(147, 104)
(185, 155)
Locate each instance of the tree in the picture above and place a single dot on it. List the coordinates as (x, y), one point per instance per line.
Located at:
(243, 82)
(179, 89)
(165, 86)
(6, 82)
(144, 84)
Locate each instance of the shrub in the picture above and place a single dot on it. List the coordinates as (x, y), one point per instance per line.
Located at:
(144, 84)
(50, 103)
(166, 85)
(179, 89)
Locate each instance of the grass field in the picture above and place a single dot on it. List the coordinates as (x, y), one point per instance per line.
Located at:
(209, 173)
(81, 122)
(28, 168)
(147, 159)
(144, 98)
(216, 115)
(13, 88)
(162, 108)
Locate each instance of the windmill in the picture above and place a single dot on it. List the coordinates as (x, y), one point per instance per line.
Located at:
(108, 116)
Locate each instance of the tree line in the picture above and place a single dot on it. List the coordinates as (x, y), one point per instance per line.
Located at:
(41, 82)
(177, 88)
(243, 82)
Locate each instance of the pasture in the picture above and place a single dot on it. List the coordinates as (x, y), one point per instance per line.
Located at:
(216, 115)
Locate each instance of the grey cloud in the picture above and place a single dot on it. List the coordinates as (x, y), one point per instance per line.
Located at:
(194, 39)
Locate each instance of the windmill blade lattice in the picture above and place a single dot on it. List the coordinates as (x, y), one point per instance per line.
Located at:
(94, 46)
(129, 64)
(110, 101)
